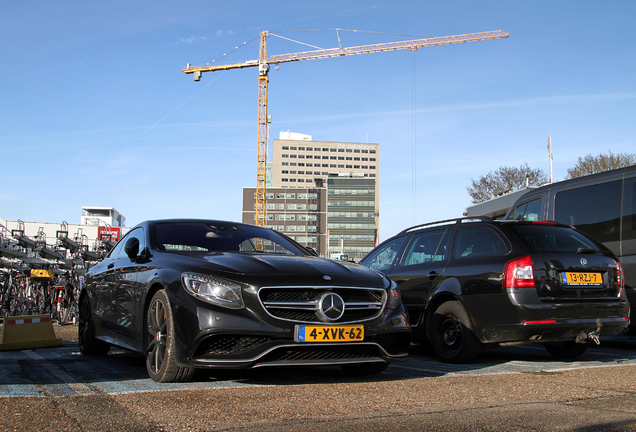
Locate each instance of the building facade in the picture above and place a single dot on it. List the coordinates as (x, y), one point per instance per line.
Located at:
(344, 178)
(299, 213)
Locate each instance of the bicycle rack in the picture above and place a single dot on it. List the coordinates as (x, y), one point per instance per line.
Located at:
(23, 240)
(64, 241)
(43, 250)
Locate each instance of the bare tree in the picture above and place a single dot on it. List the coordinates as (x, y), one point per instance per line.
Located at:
(603, 162)
(503, 180)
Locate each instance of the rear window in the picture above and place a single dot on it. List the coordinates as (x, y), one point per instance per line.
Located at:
(545, 238)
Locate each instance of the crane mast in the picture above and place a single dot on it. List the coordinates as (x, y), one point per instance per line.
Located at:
(264, 61)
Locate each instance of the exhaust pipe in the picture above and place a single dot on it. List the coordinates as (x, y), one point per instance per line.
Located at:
(583, 337)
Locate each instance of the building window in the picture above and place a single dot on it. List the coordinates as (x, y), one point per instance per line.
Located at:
(296, 206)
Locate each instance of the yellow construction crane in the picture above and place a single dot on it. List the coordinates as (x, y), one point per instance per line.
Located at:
(264, 61)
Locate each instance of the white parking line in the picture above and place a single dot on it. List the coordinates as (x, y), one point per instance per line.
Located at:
(79, 388)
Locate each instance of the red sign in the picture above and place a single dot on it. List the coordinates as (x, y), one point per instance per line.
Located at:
(109, 233)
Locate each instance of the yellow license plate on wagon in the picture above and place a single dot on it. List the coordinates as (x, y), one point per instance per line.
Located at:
(329, 333)
(577, 278)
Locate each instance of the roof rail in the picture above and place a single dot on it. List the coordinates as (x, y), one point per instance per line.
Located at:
(456, 220)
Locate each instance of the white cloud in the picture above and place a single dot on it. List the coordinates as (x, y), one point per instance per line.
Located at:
(193, 39)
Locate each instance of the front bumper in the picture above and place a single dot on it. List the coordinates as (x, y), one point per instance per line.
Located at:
(220, 338)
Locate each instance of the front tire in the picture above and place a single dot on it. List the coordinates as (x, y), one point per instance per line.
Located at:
(88, 343)
(451, 334)
(161, 352)
(566, 350)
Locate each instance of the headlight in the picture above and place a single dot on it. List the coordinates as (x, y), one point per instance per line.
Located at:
(213, 290)
(395, 298)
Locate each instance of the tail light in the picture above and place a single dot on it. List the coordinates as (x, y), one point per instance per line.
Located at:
(395, 298)
(518, 273)
(619, 275)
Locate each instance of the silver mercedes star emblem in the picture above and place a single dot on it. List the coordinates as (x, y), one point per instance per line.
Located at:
(331, 307)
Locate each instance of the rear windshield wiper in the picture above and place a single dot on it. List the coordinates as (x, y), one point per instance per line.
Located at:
(587, 251)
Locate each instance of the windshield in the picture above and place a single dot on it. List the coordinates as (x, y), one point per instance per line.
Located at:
(545, 238)
(222, 237)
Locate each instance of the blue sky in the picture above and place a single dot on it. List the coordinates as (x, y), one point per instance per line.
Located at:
(96, 111)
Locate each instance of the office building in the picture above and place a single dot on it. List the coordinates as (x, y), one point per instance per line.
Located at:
(348, 173)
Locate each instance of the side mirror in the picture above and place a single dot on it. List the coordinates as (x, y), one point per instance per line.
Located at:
(311, 250)
(132, 248)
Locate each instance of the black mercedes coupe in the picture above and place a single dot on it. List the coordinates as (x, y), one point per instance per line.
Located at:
(193, 294)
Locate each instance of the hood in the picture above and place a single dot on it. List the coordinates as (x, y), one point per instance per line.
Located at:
(281, 269)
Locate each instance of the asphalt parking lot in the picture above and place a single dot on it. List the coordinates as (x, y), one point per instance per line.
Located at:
(509, 388)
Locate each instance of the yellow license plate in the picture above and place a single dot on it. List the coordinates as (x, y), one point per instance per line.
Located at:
(572, 278)
(329, 333)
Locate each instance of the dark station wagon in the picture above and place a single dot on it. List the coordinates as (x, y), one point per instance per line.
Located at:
(476, 283)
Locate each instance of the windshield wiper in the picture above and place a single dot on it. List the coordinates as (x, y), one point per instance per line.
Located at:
(586, 251)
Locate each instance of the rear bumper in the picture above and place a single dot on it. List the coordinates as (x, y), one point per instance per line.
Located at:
(556, 321)
(560, 330)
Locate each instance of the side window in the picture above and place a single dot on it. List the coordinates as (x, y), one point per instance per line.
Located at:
(629, 209)
(478, 241)
(427, 247)
(120, 251)
(382, 258)
(595, 210)
(528, 211)
(119, 247)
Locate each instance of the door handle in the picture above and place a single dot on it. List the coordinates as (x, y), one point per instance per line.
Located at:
(432, 275)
